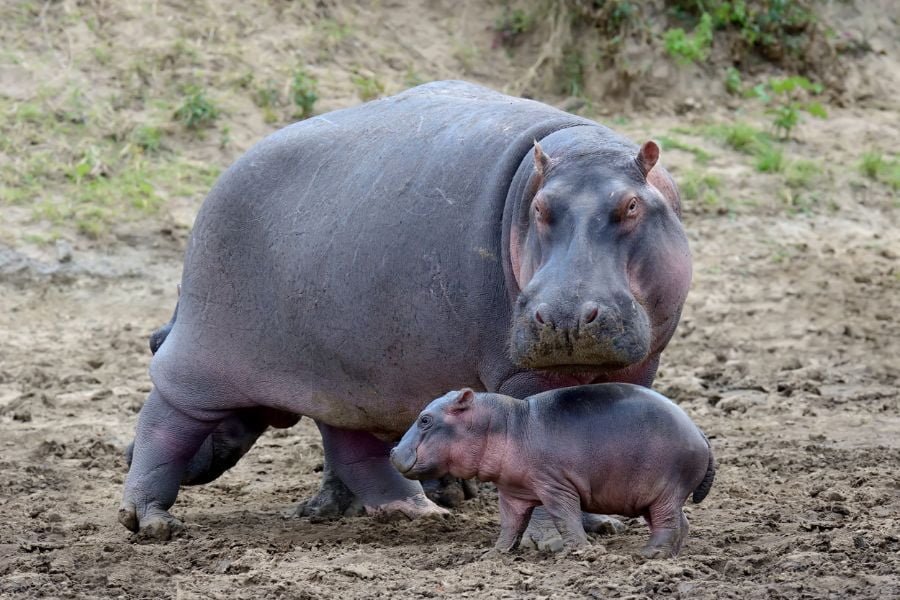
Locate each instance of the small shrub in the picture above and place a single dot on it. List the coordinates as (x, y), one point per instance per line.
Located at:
(196, 111)
(786, 99)
(303, 92)
(687, 49)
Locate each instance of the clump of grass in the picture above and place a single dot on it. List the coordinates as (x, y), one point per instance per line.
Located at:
(368, 88)
(196, 110)
(801, 173)
(699, 186)
(740, 136)
(670, 143)
(875, 166)
(304, 94)
(769, 159)
(733, 83)
(147, 137)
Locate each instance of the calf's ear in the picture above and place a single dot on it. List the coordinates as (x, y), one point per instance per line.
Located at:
(462, 402)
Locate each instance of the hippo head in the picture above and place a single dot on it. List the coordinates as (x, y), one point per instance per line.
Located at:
(599, 259)
(441, 440)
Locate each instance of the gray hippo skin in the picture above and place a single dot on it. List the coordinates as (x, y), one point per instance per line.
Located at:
(610, 448)
(353, 266)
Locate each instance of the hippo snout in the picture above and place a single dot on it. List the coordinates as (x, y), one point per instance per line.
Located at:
(586, 334)
(403, 458)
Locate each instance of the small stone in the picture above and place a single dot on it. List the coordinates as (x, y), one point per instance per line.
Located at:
(63, 251)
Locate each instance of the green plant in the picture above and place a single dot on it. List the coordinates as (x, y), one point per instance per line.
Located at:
(875, 166)
(800, 173)
(687, 49)
(368, 88)
(699, 186)
(786, 97)
(670, 143)
(573, 72)
(510, 25)
(769, 159)
(304, 92)
(733, 83)
(196, 111)
(147, 138)
(739, 136)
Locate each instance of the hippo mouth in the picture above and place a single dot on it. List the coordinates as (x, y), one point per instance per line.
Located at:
(404, 460)
(581, 354)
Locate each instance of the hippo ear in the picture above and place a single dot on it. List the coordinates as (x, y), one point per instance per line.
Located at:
(647, 157)
(541, 160)
(462, 402)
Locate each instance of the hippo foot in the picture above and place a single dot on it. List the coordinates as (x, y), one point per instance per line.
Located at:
(333, 501)
(156, 525)
(416, 507)
(449, 491)
(654, 552)
(602, 524)
(542, 534)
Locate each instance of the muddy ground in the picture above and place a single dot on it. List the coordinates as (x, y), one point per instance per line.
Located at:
(788, 356)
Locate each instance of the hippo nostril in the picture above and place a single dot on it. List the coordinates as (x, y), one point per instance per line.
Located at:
(589, 312)
(540, 313)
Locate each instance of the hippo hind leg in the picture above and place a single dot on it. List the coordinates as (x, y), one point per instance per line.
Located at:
(333, 500)
(169, 434)
(362, 462)
(668, 530)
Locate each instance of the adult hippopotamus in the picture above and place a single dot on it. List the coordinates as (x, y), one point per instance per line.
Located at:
(352, 266)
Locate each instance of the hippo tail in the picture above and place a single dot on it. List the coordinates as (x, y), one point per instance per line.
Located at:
(159, 336)
(705, 485)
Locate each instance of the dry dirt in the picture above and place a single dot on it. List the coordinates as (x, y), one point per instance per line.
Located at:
(788, 356)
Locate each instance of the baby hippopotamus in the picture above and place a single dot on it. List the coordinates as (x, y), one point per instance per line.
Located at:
(610, 448)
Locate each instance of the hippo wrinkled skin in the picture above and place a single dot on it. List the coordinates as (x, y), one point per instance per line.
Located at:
(610, 448)
(353, 266)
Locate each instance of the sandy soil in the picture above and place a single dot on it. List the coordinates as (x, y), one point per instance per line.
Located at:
(788, 356)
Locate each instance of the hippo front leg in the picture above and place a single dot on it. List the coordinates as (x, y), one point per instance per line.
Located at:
(514, 516)
(362, 463)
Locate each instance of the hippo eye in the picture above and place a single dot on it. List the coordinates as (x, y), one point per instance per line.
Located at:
(425, 421)
(541, 211)
(632, 207)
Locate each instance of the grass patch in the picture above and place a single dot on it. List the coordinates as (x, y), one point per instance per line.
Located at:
(697, 186)
(670, 143)
(769, 159)
(875, 166)
(801, 173)
(196, 110)
(368, 88)
(739, 136)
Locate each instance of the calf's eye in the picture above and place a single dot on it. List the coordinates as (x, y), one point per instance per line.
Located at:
(425, 421)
